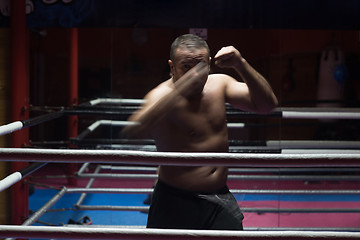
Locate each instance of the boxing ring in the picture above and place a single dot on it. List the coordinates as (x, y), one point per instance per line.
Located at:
(277, 160)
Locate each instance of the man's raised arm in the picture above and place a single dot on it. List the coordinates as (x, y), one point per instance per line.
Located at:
(259, 92)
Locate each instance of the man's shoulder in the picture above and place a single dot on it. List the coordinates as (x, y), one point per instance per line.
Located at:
(219, 78)
(159, 90)
(164, 86)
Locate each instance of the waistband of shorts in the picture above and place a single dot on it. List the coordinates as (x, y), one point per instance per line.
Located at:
(163, 186)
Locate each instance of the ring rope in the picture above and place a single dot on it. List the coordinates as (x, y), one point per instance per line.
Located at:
(17, 176)
(230, 177)
(18, 125)
(231, 170)
(346, 159)
(116, 101)
(243, 209)
(234, 191)
(78, 232)
(283, 144)
(320, 115)
(315, 113)
(235, 146)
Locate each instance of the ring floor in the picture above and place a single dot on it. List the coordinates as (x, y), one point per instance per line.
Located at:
(63, 211)
(253, 220)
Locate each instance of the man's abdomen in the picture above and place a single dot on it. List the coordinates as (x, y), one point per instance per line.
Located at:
(199, 179)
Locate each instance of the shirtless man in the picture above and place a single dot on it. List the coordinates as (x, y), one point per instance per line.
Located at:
(187, 113)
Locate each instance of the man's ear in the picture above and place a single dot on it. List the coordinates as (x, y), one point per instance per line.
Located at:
(171, 64)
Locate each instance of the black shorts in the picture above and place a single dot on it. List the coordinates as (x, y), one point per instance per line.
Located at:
(174, 208)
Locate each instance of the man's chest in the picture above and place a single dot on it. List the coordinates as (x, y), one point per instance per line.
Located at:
(205, 114)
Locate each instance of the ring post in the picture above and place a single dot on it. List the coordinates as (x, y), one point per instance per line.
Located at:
(20, 102)
(71, 168)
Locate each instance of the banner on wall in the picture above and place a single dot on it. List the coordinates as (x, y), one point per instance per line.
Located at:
(50, 13)
(260, 14)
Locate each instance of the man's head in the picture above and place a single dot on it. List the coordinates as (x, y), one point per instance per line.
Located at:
(188, 41)
(187, 51)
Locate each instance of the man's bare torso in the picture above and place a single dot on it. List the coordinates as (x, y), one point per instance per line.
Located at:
(195, 125)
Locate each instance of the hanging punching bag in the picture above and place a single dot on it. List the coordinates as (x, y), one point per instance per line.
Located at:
(332, 75)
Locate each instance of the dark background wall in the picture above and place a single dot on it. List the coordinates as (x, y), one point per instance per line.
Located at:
(124, 48)
(128, 62)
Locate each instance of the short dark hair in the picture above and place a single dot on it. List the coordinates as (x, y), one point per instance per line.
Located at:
(188, 41)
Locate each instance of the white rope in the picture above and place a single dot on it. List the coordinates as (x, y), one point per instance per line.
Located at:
(10, 180)
(313, 113)
(115, 123)
(98, 123)
(317, 109)
(182, 159)
(236, 125)
(117, 101)
(319, 151)
(234, 191)
(313, 144)
(321, 115)
(82, 232)
(11, 127)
